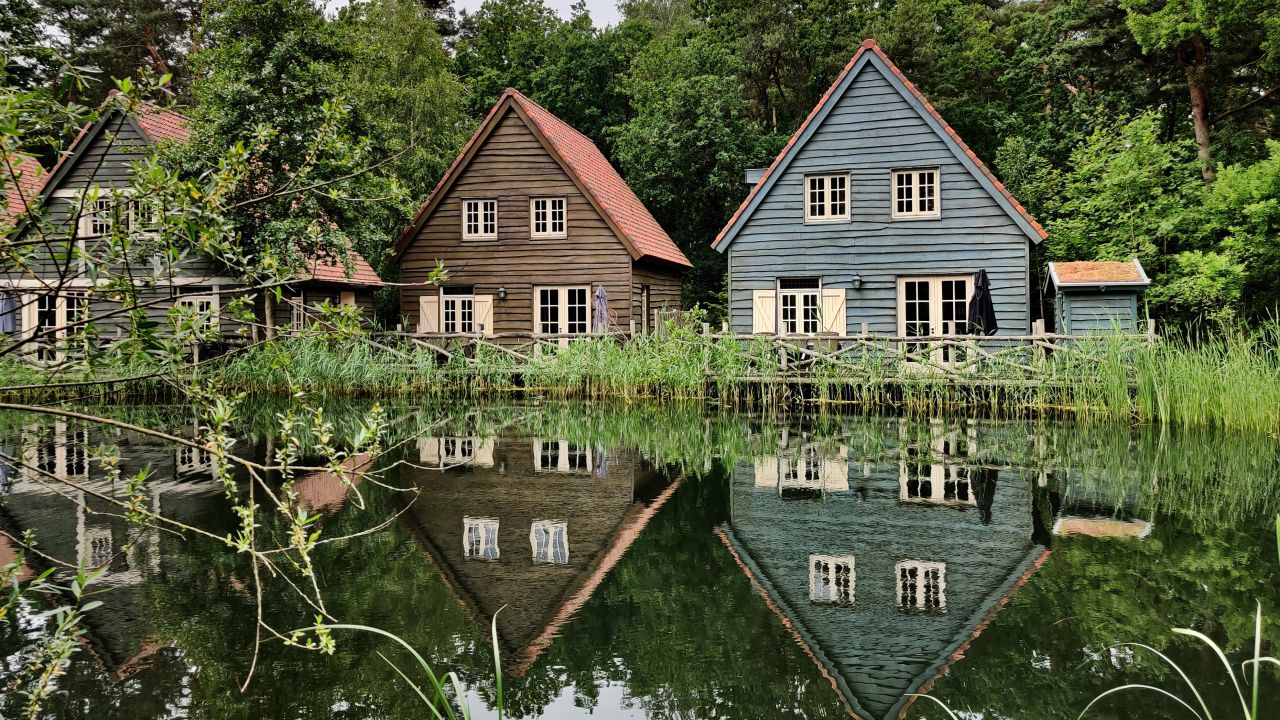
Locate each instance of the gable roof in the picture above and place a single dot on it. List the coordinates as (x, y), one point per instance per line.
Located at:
(326, 268)
(22, 188)
(871, 53)
(629, 219)
(1098, 272)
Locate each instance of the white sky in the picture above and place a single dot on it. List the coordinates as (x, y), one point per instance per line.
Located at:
(603, 12)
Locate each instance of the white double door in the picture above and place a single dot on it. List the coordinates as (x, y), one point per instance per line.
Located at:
(934, 306)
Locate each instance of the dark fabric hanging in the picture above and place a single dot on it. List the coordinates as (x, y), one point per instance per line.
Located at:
(982, 312)
(8, 313)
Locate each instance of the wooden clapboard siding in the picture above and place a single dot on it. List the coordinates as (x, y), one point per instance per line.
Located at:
(313, 294)
(107, 159)
(871, 131)
(878, 652)
(512, 166)
(664, 293)
(1084, 312)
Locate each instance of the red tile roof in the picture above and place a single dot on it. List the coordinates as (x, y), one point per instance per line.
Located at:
(22, 185)
(162, 124)
(870, 45)
(584, 162)
(326, 268)
(1098, 272)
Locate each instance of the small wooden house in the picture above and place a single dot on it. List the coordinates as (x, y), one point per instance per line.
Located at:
(530, 222)
(876, 215)
(1097, 297)
(85, 198)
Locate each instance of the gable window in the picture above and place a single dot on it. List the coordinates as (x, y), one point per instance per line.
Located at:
(480, 538)
(562, 311)
(562, 456)
(922, 585)
(458, 309)
(101, 217)
(831, 579)
(915, 193)
(799, 305)
(547, 217)
(479, 219)
(550, 541)
(826, 198)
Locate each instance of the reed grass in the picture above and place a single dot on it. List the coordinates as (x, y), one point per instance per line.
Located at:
(1229, 381)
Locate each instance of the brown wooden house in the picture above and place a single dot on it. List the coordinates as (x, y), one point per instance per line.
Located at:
(530, 222)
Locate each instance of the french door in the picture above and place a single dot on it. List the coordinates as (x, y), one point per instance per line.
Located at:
(562, 310)
(933, 307)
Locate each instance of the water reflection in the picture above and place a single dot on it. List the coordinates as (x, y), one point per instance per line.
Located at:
(664, 562)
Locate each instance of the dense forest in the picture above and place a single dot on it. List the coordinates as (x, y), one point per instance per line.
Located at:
(1128, 127)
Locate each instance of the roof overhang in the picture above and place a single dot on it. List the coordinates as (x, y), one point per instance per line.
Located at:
(1143, 280)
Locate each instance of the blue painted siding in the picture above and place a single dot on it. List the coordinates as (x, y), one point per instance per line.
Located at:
(1088, 313)
(871, 131)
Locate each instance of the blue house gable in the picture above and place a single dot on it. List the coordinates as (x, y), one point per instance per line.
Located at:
(876, 216)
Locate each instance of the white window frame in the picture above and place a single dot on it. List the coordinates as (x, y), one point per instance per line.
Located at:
(464, 312)
(480, 538)
(824, 575)
(214, 321)
(904, 598)
(49, 347)
(821, 204)
(562, 306)
(950, 481)
(457, 450)
(552, 214)
(566, 455)
(486, 227)
(937, 326)
(58, 455)
(799, 296)
(915, 188)
(548, 532)
(97, 212)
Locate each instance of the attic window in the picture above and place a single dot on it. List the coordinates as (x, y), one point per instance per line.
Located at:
(922, 585)
(550, 541)
(479, 219)
(915, 193)
(831, 579)
(826, 198)
(480, 538)
(547, 217)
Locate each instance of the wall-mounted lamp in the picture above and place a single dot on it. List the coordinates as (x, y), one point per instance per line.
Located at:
(856, 280)
(502, 293)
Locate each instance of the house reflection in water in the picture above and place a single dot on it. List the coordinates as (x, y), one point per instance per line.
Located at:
(531, 525)
(883, 568)
(54, 490)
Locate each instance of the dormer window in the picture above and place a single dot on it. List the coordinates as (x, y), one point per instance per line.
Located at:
(480, 538)
(547, 217)
(550, 541)
(922, 585)
(479, 219)
(831, 579)
(915, 193)
(826, 198)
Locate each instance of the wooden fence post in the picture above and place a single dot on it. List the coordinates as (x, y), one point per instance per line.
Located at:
(1151, 330)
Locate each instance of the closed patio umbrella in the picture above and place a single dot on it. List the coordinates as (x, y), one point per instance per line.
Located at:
(982, 312)
(601, 310)
(8, 310)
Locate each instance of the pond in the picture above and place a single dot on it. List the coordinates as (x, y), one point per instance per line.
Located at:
(663, 561)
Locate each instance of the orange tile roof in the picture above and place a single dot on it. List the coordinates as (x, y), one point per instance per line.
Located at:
(1097, 272)
(22, 187)
(870, 45)
(584, 162)
(162, 123)
(326, 268)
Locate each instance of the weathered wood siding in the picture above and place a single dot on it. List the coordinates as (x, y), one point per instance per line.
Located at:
(664, 294)
(879, 651)
(313, 294)
(871, 131)
(516, 493)
(108, 159)
(512, 166)
(1083, 312)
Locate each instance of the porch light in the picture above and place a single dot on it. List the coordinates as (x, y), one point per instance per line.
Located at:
(856, 280)
(502, 293)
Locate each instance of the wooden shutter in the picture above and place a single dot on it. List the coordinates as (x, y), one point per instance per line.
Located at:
(484, 453)
(764, 312)
(429, 451)
(28, 318)
(429, 313)
(835, 471)
(833, 311)
(767, 471)
(346, 297)
(484, 314)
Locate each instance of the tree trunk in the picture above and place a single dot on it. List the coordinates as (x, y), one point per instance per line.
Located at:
(269, 313)
(1199, 91)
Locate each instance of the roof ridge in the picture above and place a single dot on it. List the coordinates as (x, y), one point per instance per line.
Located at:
(526, 99)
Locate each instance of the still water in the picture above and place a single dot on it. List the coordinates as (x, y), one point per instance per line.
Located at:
(673, 562)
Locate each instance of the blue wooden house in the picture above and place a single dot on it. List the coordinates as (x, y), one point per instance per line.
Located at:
(1097, 297)
(876, 216)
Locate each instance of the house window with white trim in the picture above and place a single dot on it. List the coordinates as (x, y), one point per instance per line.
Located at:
(458, 309)
(52, 317)
(547, 217)
(480, 538)
(192, 460)
(101, 218)
(204, 310)
(799, 305)
(933, 307)
(550, 541)
(831, 579)
(562, 310)
(915, 193)
(921, 585)
(457, 451)
(562, 456)
(826, 198)
(479, 219)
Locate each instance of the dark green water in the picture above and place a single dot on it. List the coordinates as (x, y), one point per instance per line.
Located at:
(671, 562)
